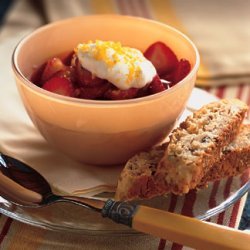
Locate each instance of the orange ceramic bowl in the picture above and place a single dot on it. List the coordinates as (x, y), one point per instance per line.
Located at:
(101, 132)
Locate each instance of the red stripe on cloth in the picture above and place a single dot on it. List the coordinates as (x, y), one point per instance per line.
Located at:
(220, 218)
(125, 7)
(248, 102)
(208, 89)
(144, 8)
(221, 91)
(212, 201)
(188, 204)
(5, 229)
(121, 4)
(172, 205)
(248, 99)
(240, 91)
(134, 8)
(243, 179)
(234, 214)
(226, 194)
(173, 202)
(187, 209)
(176, 246)
(162, 244)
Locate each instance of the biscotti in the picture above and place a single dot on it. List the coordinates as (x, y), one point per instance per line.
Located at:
(197, 143)
(235, 158)
(137, 180)
(140, 177)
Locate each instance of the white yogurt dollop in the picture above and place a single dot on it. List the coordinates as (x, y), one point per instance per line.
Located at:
(122, 66)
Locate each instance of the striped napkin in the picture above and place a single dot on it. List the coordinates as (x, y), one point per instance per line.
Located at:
(222, 35)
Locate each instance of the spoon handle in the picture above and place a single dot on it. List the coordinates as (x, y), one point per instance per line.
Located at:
(177, 228)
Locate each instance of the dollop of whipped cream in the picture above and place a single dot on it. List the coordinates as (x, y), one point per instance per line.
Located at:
(124, 67)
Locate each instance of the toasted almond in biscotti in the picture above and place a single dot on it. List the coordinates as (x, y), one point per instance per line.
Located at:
(234, 160)
(196, 145)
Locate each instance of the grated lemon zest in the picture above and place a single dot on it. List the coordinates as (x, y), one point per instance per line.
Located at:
(101, 52)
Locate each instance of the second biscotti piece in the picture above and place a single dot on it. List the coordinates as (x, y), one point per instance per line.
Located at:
(197, 143)
(235, 158)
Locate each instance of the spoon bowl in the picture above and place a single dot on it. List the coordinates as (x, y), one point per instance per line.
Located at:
(21, 176)
(22, 185)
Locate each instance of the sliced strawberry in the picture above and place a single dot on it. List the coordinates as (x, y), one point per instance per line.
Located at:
(143, 91)
(53, 65)
(68, 72)
(182, 70)
(162, 57)
(37, 75)
(66, 58)
(118, 94)
(179, 73)
(85, 78)
(170, 77)
(92, 92)
(59, 85)
(156, 85)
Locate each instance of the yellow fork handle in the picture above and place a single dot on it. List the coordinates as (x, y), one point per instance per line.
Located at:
(188, 231)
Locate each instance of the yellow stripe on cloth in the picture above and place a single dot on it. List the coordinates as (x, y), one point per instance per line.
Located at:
(164, 12)
(102, 7)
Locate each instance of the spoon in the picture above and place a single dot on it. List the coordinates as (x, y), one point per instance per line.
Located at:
(24, 186)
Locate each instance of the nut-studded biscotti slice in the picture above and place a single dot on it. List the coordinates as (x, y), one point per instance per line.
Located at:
(197, 143)
(234, 160)
(137, 180)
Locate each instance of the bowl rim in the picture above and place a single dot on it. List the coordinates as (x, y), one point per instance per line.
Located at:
(71, 100)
